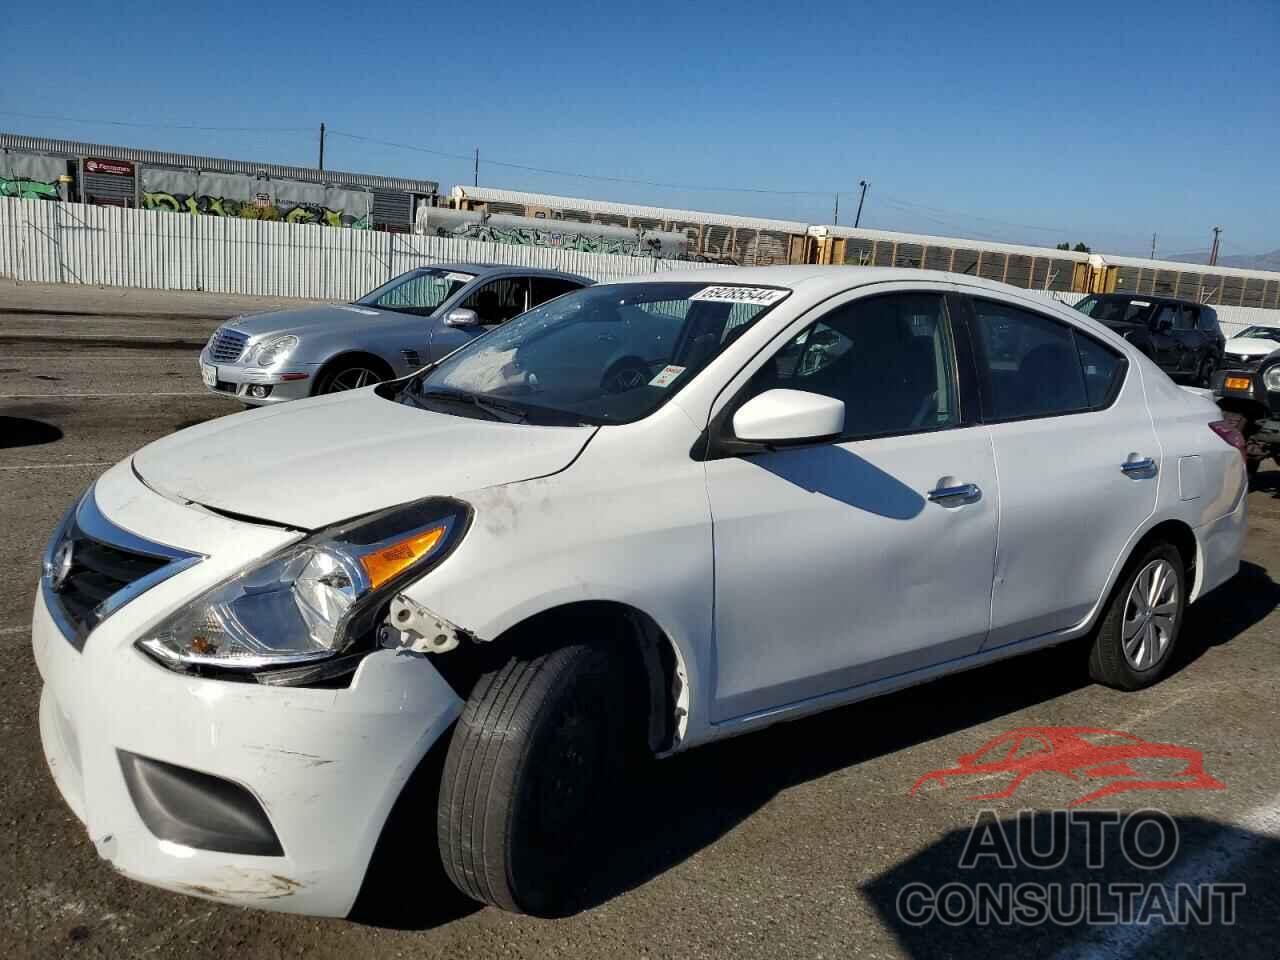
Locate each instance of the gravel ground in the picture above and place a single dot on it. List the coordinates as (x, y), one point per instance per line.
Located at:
(797, 841)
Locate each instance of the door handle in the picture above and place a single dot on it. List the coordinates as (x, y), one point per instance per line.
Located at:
(955, 493)
(1138, 467)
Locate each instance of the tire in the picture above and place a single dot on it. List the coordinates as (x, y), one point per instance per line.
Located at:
(1151, 646)
(350, 375)
(1251, 465)
(526, 782)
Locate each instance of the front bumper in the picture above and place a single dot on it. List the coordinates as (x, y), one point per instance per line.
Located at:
(292, 381)
(325, 765)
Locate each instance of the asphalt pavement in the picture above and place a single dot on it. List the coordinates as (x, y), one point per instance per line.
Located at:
(800, 841)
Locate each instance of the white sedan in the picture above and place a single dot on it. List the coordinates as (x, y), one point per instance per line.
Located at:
(819, 485)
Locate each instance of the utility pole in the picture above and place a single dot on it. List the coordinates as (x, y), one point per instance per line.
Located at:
(835, 217)
(857, 218)
(476, 179)
(1153, 246)
(322, 146)
(1213, 252)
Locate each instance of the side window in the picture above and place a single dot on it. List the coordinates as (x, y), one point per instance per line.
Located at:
(500, 300)
(1028, 363)
(1184, 319)
(890, 359)
(1207, 320)
(548, 288)
(1103, 370)
(1167, 318)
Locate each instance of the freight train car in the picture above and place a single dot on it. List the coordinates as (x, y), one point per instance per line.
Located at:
(711, 237)
(541, 232)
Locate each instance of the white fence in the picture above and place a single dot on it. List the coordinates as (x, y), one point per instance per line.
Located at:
(43, 242)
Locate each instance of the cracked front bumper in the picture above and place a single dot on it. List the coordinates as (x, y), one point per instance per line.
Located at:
(325, 765)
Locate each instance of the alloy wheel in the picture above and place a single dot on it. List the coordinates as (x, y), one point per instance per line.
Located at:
(1150, 615)
(353, 378)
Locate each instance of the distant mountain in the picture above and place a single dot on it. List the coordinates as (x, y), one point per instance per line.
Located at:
(1249, 261)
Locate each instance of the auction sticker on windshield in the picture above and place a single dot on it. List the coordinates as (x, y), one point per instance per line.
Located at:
(666, 376)
(763, 296)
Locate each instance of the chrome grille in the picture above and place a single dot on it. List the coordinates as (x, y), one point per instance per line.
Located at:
(107, 567)
(227, 345)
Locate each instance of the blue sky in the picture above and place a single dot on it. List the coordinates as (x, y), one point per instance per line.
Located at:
(1031, 122)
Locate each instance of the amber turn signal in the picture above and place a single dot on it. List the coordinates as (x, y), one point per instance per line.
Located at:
(386, 562)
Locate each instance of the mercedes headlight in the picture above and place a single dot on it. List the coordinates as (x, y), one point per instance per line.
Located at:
(273, 350)
(1272, 378)
(313, 600)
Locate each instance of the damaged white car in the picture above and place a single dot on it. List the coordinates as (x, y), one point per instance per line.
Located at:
(642, 516)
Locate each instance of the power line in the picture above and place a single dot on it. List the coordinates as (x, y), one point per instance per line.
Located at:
(152, 126)
(584, 176)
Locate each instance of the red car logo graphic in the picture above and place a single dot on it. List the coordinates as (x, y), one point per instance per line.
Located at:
(1082, 754)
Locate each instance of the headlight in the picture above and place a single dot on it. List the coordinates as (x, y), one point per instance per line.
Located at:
(1272, 378)
(270, 351)
(314, 599)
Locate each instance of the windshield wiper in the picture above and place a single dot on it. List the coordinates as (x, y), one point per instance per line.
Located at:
(496, 409)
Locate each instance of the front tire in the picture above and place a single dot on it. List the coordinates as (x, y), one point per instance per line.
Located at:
(350, 375)
(1134, 643)
(526, 781)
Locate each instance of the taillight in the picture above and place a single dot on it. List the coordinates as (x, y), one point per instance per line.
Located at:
(1229, 434)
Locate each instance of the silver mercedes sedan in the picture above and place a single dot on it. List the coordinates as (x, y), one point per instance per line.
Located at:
(411, 321)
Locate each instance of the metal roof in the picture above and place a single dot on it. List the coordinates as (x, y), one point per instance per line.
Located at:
(929, 240)
(76, 148)
(487, 194)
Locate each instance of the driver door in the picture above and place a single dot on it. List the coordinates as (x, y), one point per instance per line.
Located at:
(494, 302)
(839, 563)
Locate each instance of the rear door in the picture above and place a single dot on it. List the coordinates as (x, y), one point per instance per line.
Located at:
(1077, 458)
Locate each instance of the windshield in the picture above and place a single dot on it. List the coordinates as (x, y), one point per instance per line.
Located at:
(419, 291)
(1115, 310)
(1261, 333)
(601, 355)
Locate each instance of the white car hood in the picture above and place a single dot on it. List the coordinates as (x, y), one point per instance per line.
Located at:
(311, 463)
(1250, 346)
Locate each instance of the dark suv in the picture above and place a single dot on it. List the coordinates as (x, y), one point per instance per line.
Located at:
(1181, 336)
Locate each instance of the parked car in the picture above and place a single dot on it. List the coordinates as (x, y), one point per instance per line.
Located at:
(1247, 389)
(1181, 336)
(517, 571)
(418, 317)
(1249, 347)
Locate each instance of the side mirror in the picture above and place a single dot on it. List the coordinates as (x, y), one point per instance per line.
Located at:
(789, 416)
(461, 317)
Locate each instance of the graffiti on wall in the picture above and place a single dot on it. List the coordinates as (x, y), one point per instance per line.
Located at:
(564, 240)
(252, 209)
(28, 189)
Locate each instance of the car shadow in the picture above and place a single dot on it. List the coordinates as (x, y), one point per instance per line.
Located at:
(676, 807)
(837, 473)
(931, 901)
(1223, 614)
(25, 432)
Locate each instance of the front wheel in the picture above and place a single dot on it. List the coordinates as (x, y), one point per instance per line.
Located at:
(1134, 642)
(527, 779)
(349, 376)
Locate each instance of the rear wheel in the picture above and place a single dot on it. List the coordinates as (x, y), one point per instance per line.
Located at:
(1207, 368)
(537, 750)
(1134, 642)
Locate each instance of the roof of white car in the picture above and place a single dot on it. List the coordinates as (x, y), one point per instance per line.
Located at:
(820, 279)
